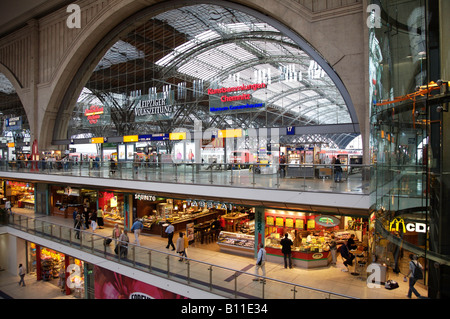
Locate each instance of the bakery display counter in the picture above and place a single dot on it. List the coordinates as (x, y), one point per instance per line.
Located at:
(237, 243)
(302, 258)
(110, 219)
(26, 203)
(154, 225)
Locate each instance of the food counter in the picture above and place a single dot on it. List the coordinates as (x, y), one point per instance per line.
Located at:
(233, 219)
(237, 243)
(306, 255)
(112, 218)
(154, 225)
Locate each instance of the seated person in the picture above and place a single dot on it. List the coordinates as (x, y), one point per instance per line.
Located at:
(346, 255)
(351, 243)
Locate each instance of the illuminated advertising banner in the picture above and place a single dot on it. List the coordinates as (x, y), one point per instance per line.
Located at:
(233, 99)
(111, 285)
(95, 115)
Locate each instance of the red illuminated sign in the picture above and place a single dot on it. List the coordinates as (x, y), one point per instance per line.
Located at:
(93, 113)
(222, 90)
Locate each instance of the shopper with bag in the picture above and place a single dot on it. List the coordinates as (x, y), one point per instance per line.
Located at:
(123, 244)
(415, 273)
(260, 262)
(180, 246)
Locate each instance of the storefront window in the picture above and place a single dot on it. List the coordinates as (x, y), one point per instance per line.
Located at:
(311, 236)
(20, 194)
(64, 272)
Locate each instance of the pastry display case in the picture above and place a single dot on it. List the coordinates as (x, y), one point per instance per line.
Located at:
(237, 243)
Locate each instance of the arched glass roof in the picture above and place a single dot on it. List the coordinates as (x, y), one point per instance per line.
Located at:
(179, 57)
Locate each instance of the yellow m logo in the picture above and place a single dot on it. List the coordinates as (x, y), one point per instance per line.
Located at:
(396, 223)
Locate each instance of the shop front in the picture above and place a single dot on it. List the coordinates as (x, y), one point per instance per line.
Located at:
(114, 208)
(310, 234)
(65, 199)
(63, 271)
(203, 220)
(20, 194)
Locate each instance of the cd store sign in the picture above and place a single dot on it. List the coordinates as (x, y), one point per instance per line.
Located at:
(399, 223)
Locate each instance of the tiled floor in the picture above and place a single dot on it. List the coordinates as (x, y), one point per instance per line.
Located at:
(330, 278)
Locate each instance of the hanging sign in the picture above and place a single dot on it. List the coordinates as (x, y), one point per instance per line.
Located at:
(327, 221)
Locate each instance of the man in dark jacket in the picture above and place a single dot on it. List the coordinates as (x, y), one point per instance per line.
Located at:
(286, 244)
(346, 255)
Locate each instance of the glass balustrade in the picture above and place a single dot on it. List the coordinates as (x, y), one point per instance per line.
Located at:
(305, 177)
(222, 281)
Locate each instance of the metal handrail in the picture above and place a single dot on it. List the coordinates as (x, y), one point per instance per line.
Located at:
(222, 174)
(18, 225)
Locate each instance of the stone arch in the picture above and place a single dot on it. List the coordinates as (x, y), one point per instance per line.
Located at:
(19, 91)
(67, 98)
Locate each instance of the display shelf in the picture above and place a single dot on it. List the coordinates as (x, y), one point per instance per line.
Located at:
(236, 243)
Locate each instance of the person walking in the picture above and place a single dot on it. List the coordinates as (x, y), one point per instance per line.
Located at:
(337, 171)
(74, 215)
(123, 244)
(116, 234)
(78, 224)
(186, 245)
(8, 206)
(415, 273)
(286, 245)
(100, 218)
(260, 262)
(93, 219)
(169, 231)
(137, 228)
(333, 250)
(86, 217)
(21, 275)
(180, 246)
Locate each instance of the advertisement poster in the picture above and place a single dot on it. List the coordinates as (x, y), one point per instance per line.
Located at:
(111, 285)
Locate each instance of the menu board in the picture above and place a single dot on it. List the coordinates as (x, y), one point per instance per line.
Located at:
(269, 221)
(289, 222)
(299, 224)
(279, 221)
(311, 223)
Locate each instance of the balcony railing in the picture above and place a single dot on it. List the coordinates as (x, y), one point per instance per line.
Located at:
(218, 280)
(305, 177)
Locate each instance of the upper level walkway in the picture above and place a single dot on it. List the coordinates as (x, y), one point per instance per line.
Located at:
(300, 187)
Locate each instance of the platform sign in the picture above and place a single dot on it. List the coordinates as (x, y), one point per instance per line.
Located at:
(13, 123)
(290, 130)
